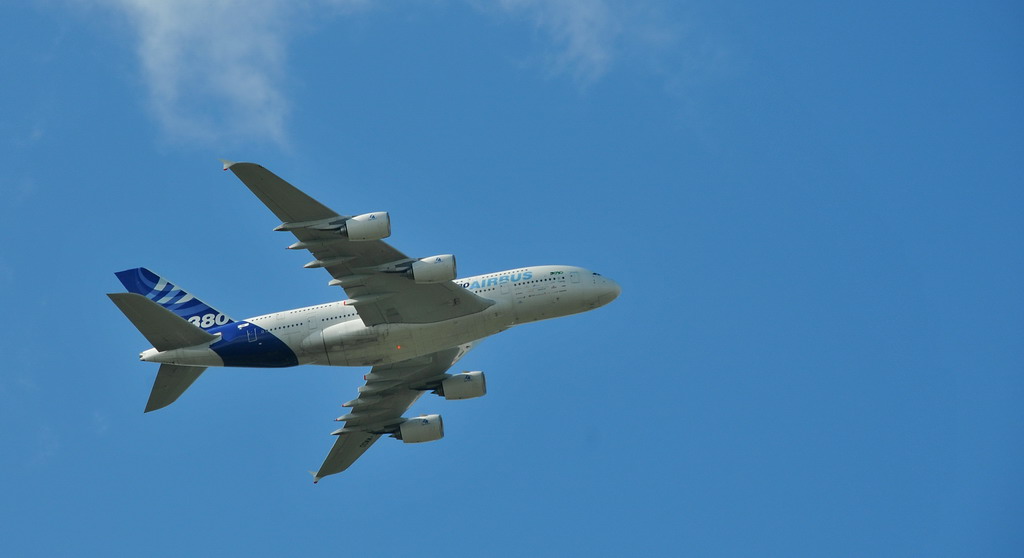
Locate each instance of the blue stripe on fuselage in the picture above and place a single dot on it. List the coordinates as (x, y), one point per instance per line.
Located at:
(246, 344)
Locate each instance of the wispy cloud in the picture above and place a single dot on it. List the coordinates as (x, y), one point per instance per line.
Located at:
(583, 33)
(215, 69)
(587, 39)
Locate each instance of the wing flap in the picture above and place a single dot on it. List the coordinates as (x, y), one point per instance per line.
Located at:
(389, 298)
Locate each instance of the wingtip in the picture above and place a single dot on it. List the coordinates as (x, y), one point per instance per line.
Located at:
(316, 479)
(227, 164)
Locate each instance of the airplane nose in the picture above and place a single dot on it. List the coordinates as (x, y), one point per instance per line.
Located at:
(610, 290)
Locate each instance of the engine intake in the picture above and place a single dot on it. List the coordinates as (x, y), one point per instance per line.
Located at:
(368, 226)
(466, 385)
(426, 428)
(435, 269)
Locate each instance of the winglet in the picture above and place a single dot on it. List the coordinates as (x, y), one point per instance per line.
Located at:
(316, 479)
(227, 164)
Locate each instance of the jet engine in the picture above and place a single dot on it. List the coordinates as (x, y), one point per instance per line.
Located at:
(466, 385)
(368, 226)
(435, 269)
(426, 428)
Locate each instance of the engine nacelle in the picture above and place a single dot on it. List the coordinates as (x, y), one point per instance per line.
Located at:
(421, 429)
(369, 226)
(464, 386)
(435, 269)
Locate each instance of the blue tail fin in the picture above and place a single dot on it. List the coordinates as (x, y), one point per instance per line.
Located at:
(150, 285)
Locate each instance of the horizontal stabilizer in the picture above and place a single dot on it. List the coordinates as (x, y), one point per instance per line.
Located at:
(165, 330)
(171, 381)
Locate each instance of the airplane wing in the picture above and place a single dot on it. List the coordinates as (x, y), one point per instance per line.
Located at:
(360, 267)
(389, 392)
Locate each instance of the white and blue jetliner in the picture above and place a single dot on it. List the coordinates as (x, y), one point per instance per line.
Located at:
(410, 319)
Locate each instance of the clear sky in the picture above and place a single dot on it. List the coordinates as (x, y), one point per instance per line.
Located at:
(814, 211)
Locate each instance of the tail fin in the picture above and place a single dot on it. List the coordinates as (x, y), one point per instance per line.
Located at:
(150, 285)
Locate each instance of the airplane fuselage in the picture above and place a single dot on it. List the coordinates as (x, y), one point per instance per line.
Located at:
(333, 334)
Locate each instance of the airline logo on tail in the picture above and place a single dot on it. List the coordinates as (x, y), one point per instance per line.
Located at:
(161, 291)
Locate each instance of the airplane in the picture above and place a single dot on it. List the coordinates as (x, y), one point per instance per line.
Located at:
(410, 319)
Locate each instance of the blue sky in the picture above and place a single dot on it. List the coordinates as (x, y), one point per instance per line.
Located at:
(814, 211)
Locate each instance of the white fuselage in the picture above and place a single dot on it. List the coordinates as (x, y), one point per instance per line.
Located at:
(333, 334)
